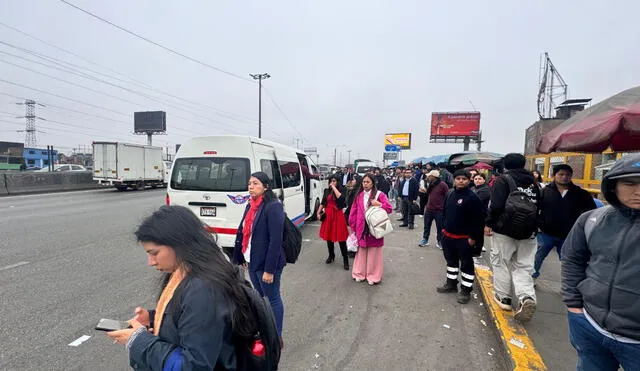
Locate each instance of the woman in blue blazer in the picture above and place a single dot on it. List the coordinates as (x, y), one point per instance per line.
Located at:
(258, 245)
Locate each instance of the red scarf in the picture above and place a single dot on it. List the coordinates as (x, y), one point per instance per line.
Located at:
(248, 221)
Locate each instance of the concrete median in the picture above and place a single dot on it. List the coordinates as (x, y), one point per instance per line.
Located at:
(3, 186)
(43, 182)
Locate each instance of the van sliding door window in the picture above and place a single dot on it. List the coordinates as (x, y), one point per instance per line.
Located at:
(224, 174)
(270, 167)
(290, 174)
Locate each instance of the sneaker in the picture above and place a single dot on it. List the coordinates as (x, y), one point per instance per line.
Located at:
(446, 289)
(358, 280)
(464, 297)
(423, 243)
(504, 303)
(526, 310)
(484, 249)
(438, 245)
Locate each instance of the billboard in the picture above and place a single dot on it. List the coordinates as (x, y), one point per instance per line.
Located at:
(150, 121)
(390, 156)
(12, 149)
(455, 124)
(401, 139)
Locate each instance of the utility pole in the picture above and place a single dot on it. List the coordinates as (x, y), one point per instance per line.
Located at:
(335, 156)
(30, 124)
(260, 77)
(349, 157)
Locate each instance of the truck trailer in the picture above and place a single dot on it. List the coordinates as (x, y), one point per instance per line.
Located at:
(124, 165)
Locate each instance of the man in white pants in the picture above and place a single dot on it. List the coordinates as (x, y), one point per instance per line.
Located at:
(511, 223)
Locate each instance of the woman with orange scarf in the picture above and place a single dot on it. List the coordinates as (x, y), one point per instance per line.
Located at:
(201, 303)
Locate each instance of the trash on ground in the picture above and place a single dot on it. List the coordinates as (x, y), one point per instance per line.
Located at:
(317, 355)
(517, 343)
(446, 326)
(483, 322)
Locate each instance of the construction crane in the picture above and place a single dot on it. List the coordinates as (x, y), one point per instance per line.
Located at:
(553, 88)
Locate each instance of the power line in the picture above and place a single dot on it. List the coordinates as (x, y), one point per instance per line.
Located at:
(66, 64)
(207, 125)
(284, 115)
(61, 97)
(153, 42)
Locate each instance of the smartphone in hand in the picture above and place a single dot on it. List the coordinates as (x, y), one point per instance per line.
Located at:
(112, 325)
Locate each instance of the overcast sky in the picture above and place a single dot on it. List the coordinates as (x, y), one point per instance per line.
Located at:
(343, 72)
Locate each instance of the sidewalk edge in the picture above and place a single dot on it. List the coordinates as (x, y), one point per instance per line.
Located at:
(514, 338)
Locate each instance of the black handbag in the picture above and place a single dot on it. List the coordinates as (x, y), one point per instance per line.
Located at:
(414, 209)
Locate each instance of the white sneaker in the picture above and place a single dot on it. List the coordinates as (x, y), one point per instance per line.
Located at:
(526, 310)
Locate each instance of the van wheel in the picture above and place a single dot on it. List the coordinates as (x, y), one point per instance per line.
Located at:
(314, 217)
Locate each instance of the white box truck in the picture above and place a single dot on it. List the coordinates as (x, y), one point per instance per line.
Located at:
(126, 165)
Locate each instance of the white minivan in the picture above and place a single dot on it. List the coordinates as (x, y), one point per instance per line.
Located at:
(365, 167)
(210, 175)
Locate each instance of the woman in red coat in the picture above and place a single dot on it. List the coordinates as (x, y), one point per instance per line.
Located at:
(334, 225)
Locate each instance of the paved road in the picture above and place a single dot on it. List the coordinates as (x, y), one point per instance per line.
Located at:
(80, 263)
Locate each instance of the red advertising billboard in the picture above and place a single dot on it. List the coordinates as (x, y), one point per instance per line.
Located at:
(455, 124)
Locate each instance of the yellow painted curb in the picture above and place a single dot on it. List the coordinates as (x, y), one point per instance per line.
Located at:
(515, 339)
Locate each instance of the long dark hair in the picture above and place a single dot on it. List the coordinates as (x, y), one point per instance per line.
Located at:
(196, 250)
(374, 190)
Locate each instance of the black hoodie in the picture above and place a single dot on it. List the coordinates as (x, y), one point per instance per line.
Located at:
(500, 191)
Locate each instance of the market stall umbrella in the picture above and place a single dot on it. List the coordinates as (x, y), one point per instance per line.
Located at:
(472, 158)
(614, 122)
(481, 166)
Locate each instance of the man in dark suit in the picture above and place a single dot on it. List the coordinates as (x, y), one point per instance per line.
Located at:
(409, 194)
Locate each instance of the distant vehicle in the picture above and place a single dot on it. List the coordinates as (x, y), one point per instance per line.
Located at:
(126, 166)
(64, 167)
(33, 168)
(210, 176)
(364, 167)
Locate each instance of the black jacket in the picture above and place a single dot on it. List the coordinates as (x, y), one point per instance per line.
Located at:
(341, 175)
(500, 192)
(464, 215)
(414, 185)
(382, 184)
(557, 214)
(198, 321)
(484, 194)
(341, 202)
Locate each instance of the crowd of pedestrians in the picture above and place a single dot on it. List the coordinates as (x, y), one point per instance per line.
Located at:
(202, 309)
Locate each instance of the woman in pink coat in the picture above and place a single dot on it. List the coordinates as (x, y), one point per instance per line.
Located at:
(368, 262)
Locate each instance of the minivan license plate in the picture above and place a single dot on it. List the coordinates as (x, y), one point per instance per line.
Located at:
(208, 211)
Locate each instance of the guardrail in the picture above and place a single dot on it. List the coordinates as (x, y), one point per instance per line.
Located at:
(16, 183)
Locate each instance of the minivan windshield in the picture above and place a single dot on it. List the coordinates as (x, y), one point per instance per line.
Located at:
(225, 174)
(365, 169)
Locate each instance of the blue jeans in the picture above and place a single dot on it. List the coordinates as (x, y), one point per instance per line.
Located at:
(597, 352)
(429, 217)
(546, 243)
(272, 292)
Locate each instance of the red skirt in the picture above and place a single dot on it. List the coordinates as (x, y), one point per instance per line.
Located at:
(334, 226)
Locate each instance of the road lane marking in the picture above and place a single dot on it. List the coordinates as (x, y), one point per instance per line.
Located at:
(519, 346)
(13, 266)
(79, 340)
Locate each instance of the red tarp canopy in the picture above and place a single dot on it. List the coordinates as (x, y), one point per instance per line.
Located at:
(614, 122)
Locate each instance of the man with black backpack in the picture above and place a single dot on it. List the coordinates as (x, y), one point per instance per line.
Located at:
(512, 223)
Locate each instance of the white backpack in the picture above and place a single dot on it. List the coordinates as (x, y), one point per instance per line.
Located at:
(378, 220)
